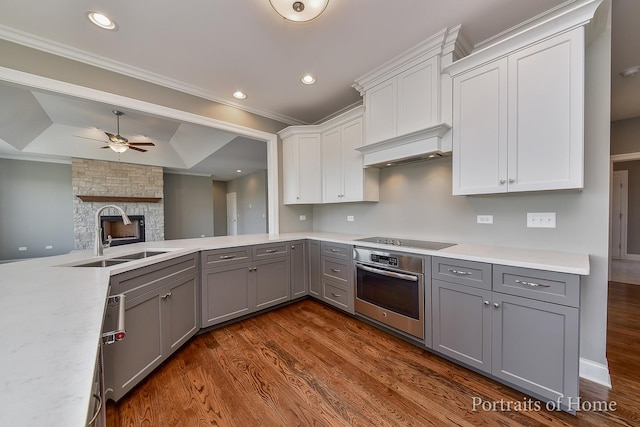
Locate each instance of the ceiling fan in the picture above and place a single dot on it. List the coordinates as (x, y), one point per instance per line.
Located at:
(119, 143)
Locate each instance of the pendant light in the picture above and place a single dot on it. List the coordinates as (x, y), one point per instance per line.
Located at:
(299, 11)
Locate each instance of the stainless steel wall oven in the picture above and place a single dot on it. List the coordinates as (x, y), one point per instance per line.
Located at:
(390, 289)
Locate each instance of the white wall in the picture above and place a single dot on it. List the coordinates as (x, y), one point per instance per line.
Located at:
(251, 197)
(416, 201)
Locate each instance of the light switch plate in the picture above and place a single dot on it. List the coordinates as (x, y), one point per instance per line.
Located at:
(303, 217)
(485, 219)
(350, 218)
(541, 220)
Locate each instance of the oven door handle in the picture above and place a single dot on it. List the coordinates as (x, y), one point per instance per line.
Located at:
(387, 273)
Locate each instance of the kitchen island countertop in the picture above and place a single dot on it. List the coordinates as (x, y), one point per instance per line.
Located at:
(51, 316)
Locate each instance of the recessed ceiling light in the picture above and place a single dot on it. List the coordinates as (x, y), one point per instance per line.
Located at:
(239, 171)
(631, 71)
(308, 79)
(102, 20)
(239, 94)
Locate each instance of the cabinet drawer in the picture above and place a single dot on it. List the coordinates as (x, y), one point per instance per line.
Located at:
(560, 288)
(337, 250)
(220, 257)
(144, 279)
(336, 269)
(470, 273)
(337, 295)
(270, 250)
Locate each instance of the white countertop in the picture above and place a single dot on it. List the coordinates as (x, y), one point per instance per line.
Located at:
(51, 316)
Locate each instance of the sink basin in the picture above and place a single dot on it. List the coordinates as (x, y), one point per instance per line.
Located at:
(140, 255)
(102, 263)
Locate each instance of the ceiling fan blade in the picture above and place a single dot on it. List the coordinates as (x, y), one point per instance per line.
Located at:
(142, 143)
(138, 149)
(86, 137)
(106, 146)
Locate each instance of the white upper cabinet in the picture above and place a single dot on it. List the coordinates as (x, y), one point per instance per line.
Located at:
(404, 115)
(518, 108)
(302, 171)
(321, 163)
(344, 178)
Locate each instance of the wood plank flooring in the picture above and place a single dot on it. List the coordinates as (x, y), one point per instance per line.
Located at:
(309, 365)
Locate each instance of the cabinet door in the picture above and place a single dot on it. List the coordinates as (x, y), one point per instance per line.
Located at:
(179, 313)
(315, 269)
(302, 170)
(225, 294)
(546, 122)
(332, 166)
(353, 171)
(381, 116)
(299, 270)
(418, 95)
(535, 346)
(272, 282)
(129, 361)
(462, 323)
(480, 130)
(291, 170)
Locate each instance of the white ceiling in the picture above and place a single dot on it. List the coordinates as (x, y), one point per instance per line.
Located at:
(213, 47)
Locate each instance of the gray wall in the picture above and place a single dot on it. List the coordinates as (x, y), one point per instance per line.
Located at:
(188, 206)
(416, 201)
(219, 192)
(633, 207)
(36, 209)
(251, 196)
(625, 136)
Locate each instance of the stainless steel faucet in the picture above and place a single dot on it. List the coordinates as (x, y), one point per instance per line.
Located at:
(98, 247)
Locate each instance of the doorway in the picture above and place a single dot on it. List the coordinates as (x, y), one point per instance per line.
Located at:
(232, 214)
(619, 203)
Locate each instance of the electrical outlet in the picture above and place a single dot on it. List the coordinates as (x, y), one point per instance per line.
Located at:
(541, 220)
(303, 217)
(49, 247)
(350, 218)
(202, 235)
(22, 248)
(485, 219)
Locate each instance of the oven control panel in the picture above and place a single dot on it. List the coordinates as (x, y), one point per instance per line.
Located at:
(385, 260)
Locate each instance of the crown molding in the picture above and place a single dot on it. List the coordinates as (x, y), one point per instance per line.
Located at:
(65, 51)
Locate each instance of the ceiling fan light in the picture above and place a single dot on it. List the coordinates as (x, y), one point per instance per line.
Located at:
(101, 20)
(118, 148)
(299, 11)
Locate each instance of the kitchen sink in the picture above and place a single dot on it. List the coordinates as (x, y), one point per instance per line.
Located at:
(102, 263)
(121, 259)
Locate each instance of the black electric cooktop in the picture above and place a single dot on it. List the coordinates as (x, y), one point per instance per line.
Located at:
(407, 243)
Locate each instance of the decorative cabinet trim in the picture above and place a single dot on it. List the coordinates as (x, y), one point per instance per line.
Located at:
(323, 127)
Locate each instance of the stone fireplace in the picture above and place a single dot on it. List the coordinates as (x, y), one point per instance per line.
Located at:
(138, 189)
(117, 233)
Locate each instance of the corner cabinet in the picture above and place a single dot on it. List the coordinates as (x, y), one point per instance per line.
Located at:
(518, 116)
(302, 169)
(344, 178)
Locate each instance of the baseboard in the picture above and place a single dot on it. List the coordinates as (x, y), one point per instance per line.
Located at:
(631, 257)
(596, 372)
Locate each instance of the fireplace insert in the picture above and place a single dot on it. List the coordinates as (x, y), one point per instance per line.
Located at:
(117, 233)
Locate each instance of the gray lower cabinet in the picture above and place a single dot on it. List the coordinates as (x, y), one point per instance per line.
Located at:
(161, 313)
(299, 269)
(244, 280)
(530, 342)
(315, 271)
(336, 276)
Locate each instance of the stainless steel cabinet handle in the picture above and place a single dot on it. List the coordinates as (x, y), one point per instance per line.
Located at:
(227, 256)
(460, 273)
(168, 294)
(502, 181)
(98, 409)
(253, 268)
(486, 302)
(393, 274)
(293, 247)
(333, 294)
(511, 180)
(271, 251)
(335, 250)
(335, 270)
(533, 284)
(496, 305)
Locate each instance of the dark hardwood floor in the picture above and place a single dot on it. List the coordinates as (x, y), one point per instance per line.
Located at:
(309, 365)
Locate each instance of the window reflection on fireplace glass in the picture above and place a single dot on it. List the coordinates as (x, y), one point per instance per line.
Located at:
(115, 231)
